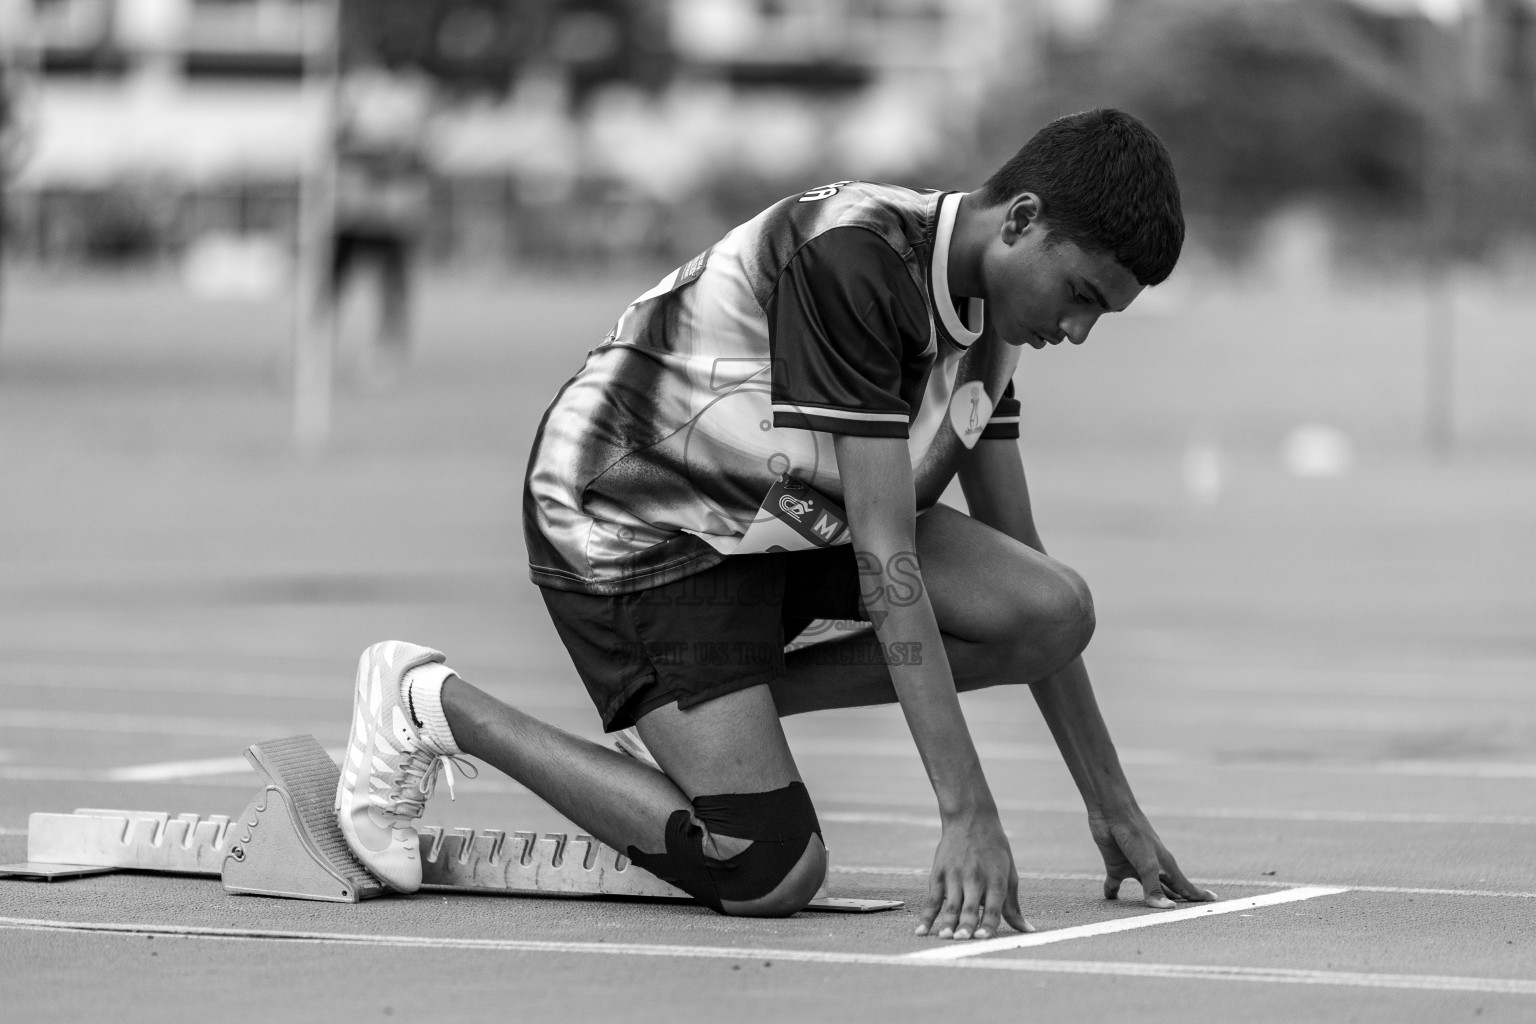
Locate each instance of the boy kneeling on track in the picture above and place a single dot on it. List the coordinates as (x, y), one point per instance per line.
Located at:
(761, 442)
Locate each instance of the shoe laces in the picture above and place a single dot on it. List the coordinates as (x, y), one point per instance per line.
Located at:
(416, 780)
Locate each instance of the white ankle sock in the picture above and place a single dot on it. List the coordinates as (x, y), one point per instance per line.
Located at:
(424, 698)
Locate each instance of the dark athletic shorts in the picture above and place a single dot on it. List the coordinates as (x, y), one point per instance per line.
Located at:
(704, 636)
(389, 250)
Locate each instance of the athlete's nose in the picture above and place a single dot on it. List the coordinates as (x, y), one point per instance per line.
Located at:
(1077, 328)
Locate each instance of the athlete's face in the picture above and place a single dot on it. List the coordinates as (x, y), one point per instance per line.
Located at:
(1042, 291)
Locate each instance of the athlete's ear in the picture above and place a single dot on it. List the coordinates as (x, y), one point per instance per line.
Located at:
(1022, 212)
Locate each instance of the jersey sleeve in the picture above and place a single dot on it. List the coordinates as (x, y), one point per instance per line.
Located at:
(1004, 424)
(845, 319)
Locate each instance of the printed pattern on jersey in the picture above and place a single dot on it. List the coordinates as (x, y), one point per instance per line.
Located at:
(829, 313)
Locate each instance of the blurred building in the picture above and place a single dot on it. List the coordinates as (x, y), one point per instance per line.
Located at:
(146, 124)
(581, 129)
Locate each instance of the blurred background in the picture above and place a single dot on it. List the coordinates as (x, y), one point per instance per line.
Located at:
(288, 283)
(1378, 156)
(1360, 132)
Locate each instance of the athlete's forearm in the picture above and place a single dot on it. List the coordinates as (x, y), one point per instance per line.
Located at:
(925, 688)
(891, 587)
(1067, 703)
(882, 522)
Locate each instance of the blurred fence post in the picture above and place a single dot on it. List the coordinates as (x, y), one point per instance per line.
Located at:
(314, 327)
(1442, 56)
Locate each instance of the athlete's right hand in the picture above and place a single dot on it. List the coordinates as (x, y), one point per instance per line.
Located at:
(974, 884)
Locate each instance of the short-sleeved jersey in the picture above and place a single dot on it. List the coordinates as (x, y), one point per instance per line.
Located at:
(702, 426)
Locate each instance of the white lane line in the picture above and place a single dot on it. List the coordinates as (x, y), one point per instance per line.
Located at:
(1405, 890)
(1205, 814)
(1282, 975)
(172, 771)
(160, 771)
(1344, 817)
(1194, 972)
(231, 772)
(867, 818)
(962, 950)
(175, 725)
(226, 780)
(33, 773)
(168, 770)
(156, 725)
(989, 750)
(13, 831)
(218, 770)
(1268, 883)
(993, 750)
(1455, 769)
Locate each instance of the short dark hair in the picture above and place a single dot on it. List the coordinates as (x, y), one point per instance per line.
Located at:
(1105, 182)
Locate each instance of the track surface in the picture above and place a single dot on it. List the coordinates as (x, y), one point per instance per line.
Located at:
(1312, 682)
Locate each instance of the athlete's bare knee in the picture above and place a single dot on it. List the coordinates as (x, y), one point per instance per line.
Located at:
(1053, 623)
(1074, 612)
(797, 888)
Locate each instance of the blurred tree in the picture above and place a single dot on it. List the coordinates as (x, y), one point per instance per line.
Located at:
(1260, 103)
(1266, 104)
(604, 41)
(471, 44)
(1492, 115)
(487, 44)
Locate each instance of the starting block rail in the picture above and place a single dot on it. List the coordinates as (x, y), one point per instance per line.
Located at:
(187, 844)
(528, 862)
(287, 843)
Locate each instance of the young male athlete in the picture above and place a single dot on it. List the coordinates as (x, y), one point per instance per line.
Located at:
(760, 442)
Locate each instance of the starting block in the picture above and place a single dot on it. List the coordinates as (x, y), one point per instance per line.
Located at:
(287, 843)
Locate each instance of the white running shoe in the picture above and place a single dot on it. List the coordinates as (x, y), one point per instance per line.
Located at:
(390, 768)
(627, 741)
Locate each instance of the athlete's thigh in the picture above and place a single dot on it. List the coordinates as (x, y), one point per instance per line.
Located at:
(983, 584)
(730, 744)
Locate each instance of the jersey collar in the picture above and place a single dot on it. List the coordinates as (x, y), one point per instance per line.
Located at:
(958, 331)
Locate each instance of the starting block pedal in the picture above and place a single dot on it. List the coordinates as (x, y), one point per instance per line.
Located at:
(287, 843)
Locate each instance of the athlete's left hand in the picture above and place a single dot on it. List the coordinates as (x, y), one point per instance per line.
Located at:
(1131, 849)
